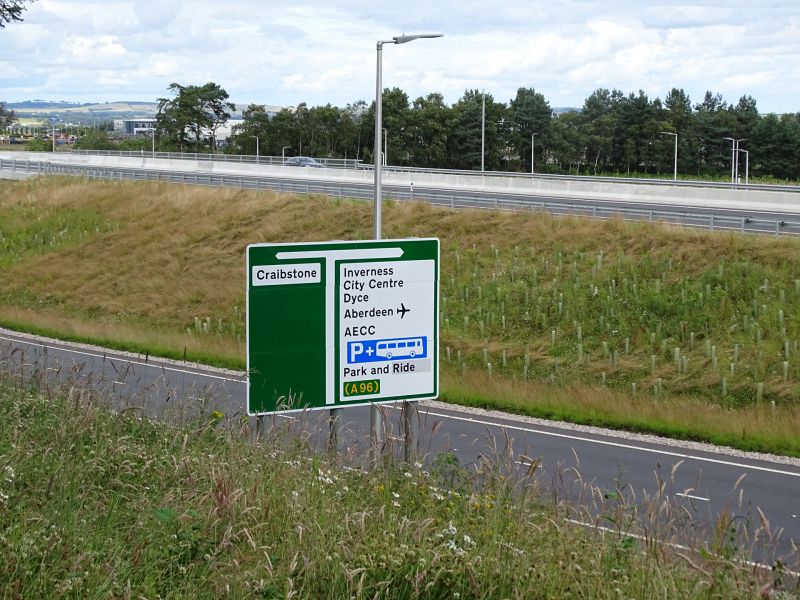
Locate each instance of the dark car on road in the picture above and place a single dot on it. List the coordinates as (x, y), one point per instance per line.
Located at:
(302, 161)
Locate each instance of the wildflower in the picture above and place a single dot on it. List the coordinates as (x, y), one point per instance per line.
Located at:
(395, 495)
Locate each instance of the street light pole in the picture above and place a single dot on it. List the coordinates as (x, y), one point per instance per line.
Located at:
(533, 137)
(746, 166)
(734, 155)
(675, 160)
(257, 152)
(153, 133)
(283, 154)
(483, 129)
(376, 418)
(385, 147)
(736, 172)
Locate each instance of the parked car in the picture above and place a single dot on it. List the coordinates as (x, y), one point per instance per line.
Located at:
(303, 161)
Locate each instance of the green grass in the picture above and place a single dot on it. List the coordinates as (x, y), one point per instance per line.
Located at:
(96, 504)
(639, 326)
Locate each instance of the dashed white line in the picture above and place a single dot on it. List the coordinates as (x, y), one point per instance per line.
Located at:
(578, 438)
(693, 497)
(154, 365)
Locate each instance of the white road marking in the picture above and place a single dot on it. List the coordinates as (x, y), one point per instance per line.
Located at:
(155, 364)
(635, 536)
(568, 436)
(693, 497)
(579, 438)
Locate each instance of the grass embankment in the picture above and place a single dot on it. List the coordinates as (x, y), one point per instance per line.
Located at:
(690, 333)
(95, 504)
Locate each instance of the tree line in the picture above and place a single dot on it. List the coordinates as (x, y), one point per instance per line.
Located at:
(612, 133)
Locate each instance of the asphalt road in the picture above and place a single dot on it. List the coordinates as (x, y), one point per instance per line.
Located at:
(741, 215)
(606, 472)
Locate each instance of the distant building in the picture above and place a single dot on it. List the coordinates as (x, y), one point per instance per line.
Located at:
(140, 125)
(144, 125)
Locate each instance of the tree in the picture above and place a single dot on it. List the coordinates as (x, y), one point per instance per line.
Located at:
(95, 139)
(191, 119)
(255, 124)
(7, 116)
(568, 141)
(530, 113)
(599, 119)
(10, 11)
(427, 132)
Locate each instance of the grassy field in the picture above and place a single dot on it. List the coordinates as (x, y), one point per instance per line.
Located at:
(99, 504)
(642, 326)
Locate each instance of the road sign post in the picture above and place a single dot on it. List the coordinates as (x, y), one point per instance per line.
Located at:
(337, 324)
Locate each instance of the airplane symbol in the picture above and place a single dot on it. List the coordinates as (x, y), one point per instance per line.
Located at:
(403, 310)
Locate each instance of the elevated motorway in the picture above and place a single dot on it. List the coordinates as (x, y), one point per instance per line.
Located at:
(752, 208)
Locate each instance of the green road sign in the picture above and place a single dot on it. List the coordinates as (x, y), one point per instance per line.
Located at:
(337, 324)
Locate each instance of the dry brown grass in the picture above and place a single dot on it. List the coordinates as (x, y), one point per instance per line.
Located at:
(174, 253)
(682, 416)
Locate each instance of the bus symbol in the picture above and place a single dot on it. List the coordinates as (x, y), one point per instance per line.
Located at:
(387, 349)
(401, 348)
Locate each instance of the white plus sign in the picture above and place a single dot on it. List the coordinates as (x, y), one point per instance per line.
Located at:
(370, 351)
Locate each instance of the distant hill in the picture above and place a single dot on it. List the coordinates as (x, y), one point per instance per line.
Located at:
(93, 112)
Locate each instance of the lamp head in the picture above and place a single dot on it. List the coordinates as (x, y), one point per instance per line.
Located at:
(404, 39)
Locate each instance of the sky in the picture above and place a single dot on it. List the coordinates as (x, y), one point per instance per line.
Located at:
(324, 51)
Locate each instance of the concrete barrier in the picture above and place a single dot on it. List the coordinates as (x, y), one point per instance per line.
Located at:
(609, 191)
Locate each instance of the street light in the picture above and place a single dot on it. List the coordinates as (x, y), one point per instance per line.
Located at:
(746, 166)
(153, 132)
(533, 137)
(734, 150)
(483, 129)
(376, 417)
(283, 155)
(675, 161)
(255, 137)
(399, 39)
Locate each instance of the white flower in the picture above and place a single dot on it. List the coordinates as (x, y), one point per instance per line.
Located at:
(395, 495)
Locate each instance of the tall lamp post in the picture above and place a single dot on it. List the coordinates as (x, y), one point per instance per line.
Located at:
(255, 137)
(533, 138)
(734, 156)
(746, 166)
(283, 154)
(483, 129)
(153, 134)
(376, 425)
(675, 160)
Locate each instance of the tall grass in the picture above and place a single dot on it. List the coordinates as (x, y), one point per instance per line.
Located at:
(639, 313)
(98, 504)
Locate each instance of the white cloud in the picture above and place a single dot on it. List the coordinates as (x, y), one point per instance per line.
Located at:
(320, 52)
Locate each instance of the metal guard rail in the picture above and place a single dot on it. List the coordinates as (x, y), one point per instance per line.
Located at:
(578, 207)
(358, 164)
